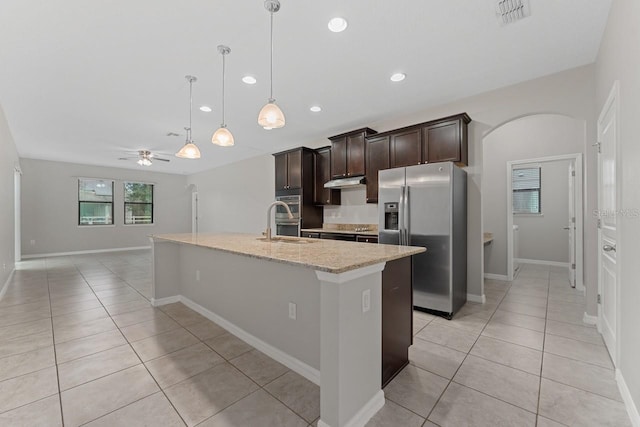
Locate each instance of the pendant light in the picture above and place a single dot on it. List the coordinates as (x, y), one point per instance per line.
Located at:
(271, 116)
(189, 150)
(223, 137)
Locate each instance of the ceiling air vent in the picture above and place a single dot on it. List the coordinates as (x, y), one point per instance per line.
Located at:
(510, 11)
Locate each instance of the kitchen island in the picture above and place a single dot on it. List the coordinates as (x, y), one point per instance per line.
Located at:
(313, 305)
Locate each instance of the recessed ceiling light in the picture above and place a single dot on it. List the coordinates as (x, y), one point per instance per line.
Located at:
(205, 108)
(250, 80)
(316, 108)
(337, 25)
(398, 77)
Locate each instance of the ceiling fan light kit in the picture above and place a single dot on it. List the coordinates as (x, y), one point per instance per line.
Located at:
(189, 150)
(271, 116)
(223, 136)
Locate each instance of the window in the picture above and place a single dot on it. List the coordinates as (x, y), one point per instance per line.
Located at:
(526, 190)
(95, 202)
(138, 203)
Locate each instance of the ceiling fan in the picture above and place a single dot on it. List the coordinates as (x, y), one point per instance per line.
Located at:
(145, 158)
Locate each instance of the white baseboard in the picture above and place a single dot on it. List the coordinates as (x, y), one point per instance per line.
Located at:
(290, 362)
(492, 276)
(164, 301)
(632, 409)
(590, 320)
(95, 251)
(6, 283)
(477, 298)
(542, 262)
(362, 417)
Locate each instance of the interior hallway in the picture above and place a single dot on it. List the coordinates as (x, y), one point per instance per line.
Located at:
(80, 344)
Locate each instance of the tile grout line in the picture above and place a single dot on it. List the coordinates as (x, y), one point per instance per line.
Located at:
(53, 340)
(137, 355)
(465, 358)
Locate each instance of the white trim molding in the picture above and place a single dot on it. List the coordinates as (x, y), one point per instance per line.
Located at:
(278, 355)
(362, 417)
(95, 251)
(477, 298)
(164, 301)
(543, 262)
(492, 276)
(589, 320)
(632, 409)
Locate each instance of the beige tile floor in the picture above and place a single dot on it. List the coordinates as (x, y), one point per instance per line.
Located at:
(80, 345)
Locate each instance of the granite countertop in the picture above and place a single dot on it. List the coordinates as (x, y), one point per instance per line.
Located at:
(323, 255)
(332, 230)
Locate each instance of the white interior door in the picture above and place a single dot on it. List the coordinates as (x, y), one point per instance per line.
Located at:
(608, 291)
(571, 224)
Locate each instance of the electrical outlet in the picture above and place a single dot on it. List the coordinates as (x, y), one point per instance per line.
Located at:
(366, 300)
(197, 275)
(292, 311)
(4, 267)
(33, 242)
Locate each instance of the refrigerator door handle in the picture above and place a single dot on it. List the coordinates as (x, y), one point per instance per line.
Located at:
(406, 222)
(401, 217)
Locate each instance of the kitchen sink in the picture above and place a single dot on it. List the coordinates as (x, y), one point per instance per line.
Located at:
(292, 240)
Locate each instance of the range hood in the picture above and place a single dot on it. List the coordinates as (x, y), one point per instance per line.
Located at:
(349, 182)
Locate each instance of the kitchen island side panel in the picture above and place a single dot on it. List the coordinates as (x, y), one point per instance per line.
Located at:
(254, 295)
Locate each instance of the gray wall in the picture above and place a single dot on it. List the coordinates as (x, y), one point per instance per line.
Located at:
(542, 237)
(50, 208)
(530, 137)
(234, 198)
(618, 59)
(8, 161)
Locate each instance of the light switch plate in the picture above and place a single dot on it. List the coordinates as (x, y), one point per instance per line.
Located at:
(293, 311)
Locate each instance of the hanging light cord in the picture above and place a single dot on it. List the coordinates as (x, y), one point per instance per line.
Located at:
(271, 95)
(190, 108)
(223, 68)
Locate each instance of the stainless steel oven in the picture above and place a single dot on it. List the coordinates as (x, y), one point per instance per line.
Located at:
(282, 217)
(286, 226)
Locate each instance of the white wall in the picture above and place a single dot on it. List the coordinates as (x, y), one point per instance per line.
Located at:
(530, 137)
(542, 237)
(8, 161)
(234, 198)
(618, 59)
(353, 208)
(50, 208)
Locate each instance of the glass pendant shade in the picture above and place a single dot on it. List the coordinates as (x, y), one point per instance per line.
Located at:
(189, 151)
(223, 137)
(144, 162)
(271, 116)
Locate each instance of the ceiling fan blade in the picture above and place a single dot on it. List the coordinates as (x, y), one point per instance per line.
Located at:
(161, 159)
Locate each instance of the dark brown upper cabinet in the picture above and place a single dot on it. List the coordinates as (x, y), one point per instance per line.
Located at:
(406, 148)
(446, 140)
(324, 196)
(348, 153)
(290, 165)
(377, 160)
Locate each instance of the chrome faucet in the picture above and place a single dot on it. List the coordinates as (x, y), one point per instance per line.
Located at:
(267, 232)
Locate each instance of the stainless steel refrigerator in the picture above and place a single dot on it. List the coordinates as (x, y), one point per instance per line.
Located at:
(426, 205)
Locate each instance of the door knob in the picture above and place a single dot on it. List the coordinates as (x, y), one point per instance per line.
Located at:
(566, 228)
(609, 248)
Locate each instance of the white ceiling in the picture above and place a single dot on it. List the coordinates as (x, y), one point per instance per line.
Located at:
(84, 81)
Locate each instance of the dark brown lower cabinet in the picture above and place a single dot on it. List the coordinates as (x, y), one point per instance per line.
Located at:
(397, 317)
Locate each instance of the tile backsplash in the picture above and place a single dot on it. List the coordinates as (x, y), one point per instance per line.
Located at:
(353, 210)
